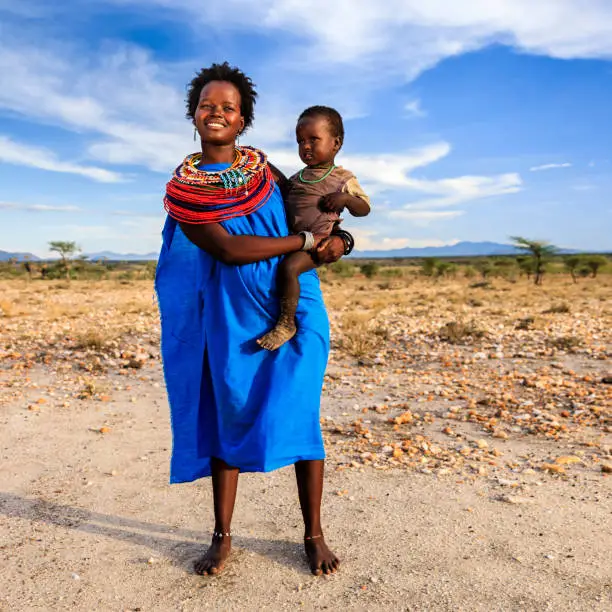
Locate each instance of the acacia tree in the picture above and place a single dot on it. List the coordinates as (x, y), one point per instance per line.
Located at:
(594, 262)
(539, 250)
(572, 264)
(525, 265)
(66, 251)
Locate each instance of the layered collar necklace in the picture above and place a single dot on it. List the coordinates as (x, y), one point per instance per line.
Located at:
(198, 196)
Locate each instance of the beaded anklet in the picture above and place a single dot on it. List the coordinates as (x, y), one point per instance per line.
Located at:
(313, 537)
(221, 534)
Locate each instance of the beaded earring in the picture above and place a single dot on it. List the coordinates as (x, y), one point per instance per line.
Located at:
(195, 131)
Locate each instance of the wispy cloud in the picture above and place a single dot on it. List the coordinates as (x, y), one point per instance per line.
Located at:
(414, 109)
(549, 167)
(38, 207)
(425, 217)
(372, 240)
(394, 172)
(410, 34)
(36, 157)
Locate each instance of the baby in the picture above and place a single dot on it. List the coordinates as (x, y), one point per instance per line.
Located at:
(314, 199)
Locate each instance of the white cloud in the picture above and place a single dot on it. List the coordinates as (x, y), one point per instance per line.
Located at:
(549, 167)
(371, 240)
(462, 189)
(36, 157)
(38, 207)
(393, 172)
(425, 217)
(414, 109)
(412, 34)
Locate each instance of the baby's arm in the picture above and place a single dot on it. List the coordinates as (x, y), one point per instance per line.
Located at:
(352, 197)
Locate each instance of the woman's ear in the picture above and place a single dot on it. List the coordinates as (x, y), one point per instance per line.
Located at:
(241, 125)
(337, 143)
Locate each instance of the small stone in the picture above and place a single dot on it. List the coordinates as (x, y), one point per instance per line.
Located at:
(75, 576)
(553, 468)
(568, 460)
(515, 499)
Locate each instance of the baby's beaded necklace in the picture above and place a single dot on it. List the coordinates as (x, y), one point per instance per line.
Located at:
(303, 180)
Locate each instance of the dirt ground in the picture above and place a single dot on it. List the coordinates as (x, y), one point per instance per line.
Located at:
(464, 473)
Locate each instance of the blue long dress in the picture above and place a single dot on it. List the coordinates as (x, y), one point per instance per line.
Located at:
(256, 410)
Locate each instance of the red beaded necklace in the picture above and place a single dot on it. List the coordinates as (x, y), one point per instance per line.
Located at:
(200, 196)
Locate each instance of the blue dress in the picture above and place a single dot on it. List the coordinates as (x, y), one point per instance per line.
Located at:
(256, 410)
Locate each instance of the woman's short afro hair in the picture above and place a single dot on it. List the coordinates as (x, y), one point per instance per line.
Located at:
(223, 72)
(334, 118)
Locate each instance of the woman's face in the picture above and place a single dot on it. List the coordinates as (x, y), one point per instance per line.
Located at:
(316, 144)
(217, 117)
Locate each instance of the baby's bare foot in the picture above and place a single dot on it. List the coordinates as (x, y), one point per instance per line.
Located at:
(213, 560)
(320, 559)
(277, 336)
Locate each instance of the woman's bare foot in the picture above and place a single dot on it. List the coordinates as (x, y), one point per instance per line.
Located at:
(276, 337)
(213, 560)
(320, 559)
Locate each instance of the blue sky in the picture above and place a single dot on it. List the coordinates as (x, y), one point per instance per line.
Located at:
(464, 120)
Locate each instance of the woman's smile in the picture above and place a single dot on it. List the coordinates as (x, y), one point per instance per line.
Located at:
(218, 116)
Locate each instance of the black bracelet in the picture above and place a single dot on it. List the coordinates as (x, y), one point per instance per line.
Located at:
(349, 241)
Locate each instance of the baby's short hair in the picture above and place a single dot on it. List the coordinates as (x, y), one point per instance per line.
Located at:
(333, 117)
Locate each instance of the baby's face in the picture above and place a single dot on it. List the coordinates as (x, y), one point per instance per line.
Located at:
(316, 143)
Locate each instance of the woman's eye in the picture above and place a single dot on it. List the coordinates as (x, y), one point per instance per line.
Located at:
(228, 109)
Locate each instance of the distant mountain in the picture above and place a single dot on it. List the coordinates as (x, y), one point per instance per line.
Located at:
(5, 256)
(110, 256)
(461, 249)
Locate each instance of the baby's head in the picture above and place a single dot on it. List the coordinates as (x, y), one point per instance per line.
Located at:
(320, 134)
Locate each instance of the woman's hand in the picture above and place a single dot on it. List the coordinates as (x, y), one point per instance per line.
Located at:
(330, 249)
(318, 239)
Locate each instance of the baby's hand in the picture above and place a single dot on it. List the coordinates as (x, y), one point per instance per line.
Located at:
(333, 202)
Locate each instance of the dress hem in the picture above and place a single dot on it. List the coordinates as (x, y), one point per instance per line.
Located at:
(205, 472)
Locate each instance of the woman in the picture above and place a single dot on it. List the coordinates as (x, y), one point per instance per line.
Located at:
(236, 407)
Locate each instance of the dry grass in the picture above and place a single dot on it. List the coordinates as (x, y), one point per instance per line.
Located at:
(94, 315)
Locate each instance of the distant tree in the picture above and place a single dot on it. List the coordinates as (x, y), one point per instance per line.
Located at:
(525, 265)
(429, 266)
(572, 265)
(369, 269)
(485, 267)
(594, 263)
(445, 269)
(505, 267)
(66, 251)
(540, 252)
(29, 267)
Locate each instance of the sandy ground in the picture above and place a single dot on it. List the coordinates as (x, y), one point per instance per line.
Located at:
(89, 522)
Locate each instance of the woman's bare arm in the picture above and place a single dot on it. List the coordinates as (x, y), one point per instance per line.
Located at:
(237, 250)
